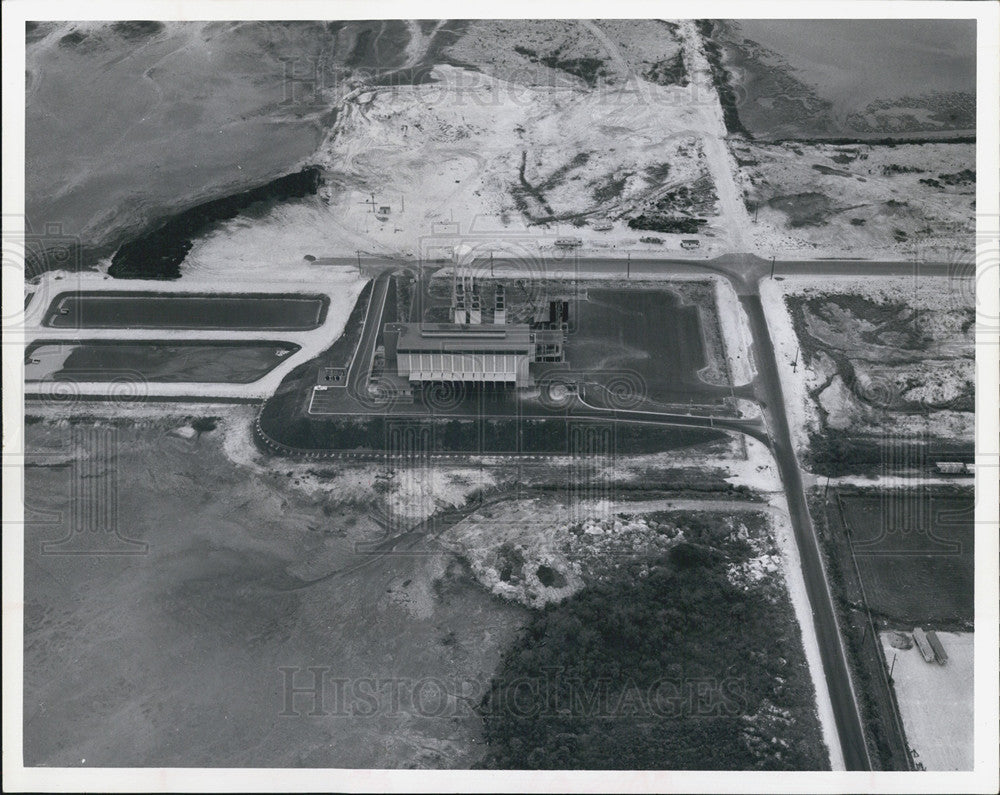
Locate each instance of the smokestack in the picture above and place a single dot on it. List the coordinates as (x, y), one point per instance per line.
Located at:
(499, 307)
(475, 314)
(459, 304)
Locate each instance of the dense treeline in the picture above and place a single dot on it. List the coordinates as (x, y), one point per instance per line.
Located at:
(465, 436)
(158, 254)
(835, 452)
(669, 667)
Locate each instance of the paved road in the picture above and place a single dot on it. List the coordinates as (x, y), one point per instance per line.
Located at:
(361, 364)
(850, 728)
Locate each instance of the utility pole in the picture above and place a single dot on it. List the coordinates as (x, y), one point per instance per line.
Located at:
(893, 666)
(628, 265)
(491, 264)
(359, 259)
(402, 204)
(772, 266)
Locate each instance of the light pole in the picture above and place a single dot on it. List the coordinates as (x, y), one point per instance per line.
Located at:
(772, 266)
(628, 265)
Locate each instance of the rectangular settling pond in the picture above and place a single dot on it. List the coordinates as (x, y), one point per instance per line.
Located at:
(187, 311)
(157, 361)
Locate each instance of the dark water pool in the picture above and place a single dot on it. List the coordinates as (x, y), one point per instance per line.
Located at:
(187, 311)
(157, 361)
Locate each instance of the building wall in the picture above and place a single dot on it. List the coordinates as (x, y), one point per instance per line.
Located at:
(464, 366)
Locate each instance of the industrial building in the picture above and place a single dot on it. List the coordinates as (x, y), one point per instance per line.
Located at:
(478, 345)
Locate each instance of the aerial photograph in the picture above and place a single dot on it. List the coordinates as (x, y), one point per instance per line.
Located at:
(500, 395)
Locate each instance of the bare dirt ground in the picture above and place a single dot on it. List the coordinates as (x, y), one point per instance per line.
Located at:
(857, 354)
(936, 701)
(519, 134)
(875, 201)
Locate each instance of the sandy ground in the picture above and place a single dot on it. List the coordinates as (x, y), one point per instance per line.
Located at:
(461, 140)
(936, 701)
(861, 210)
(444, 157)
(928, 292)
(736, 332)
(342, 284)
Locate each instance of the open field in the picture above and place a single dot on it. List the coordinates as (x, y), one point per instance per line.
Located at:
(173, 657)
(878, 373)
(915, 551)
(876, 201)
(896, 559)
(936, 701)
(508, 135)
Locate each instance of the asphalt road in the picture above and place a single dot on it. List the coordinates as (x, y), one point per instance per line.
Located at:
(361, 364)
(850, 728)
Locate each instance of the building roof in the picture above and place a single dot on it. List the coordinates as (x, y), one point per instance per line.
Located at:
(433, 337)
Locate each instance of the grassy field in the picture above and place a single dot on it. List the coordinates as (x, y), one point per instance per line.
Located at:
(915, 553)
(181, 654)
(896, 560)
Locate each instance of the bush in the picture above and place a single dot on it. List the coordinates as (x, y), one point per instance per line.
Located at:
(204, 424)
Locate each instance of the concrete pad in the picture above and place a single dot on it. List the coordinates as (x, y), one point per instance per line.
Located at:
(936, 701)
